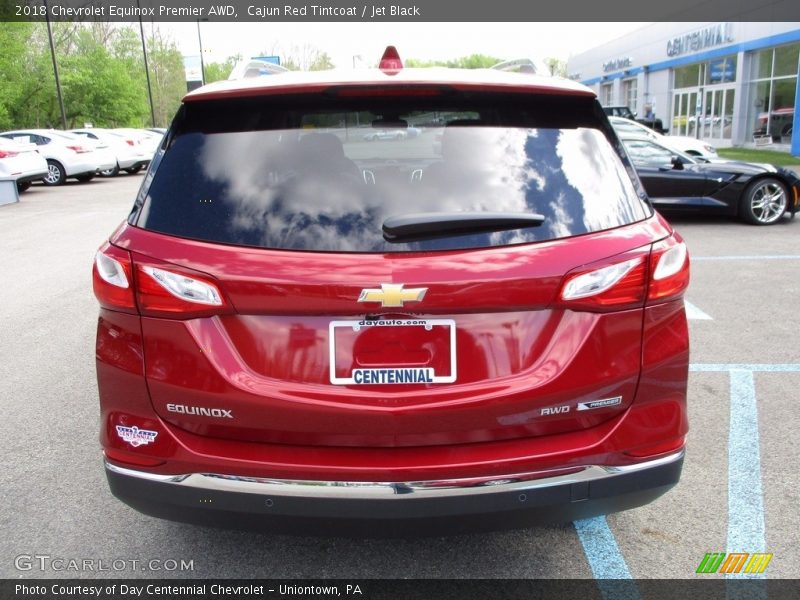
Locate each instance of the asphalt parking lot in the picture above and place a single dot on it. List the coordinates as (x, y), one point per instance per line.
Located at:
(739, 492)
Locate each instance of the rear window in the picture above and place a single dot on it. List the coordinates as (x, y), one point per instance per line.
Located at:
(324, 172)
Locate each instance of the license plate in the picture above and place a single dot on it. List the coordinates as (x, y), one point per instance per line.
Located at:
(392, 351)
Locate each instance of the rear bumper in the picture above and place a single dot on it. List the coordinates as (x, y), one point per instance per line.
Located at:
(394, 509)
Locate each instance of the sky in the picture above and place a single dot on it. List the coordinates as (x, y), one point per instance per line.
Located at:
(428, 41)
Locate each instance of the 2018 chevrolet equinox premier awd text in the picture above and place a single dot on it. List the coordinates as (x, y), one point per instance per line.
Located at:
(477, 327)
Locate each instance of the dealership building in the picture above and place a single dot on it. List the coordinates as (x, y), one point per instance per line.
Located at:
(733, 84)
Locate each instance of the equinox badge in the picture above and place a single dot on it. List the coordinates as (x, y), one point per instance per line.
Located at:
(392, 294)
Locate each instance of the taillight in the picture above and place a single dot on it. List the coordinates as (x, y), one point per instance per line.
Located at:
(612, 286)
(167, 290)
(669, 265)
(112, 279)
(129, 142)
(7, 153)
(648, 275)
(124, 283)
(78, 149)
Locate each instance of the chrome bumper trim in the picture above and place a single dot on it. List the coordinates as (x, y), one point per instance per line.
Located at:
(388, 490)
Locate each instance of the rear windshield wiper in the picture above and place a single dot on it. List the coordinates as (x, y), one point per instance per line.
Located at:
(423, 226)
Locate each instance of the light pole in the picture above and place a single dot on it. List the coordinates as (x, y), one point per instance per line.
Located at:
(55, 66)
(202, 63)
(146, 68)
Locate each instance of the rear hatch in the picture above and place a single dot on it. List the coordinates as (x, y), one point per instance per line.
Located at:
(303, 281)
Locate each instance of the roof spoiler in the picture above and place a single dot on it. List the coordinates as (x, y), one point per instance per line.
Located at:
(522, 65)
(255, 67)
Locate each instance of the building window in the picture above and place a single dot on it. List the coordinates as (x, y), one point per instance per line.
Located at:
(686, 77)
(721, 70)
(773, 86)
(607, 94)
(630, 94)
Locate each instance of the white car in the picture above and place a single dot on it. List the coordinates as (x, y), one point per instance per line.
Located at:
(386, 134)
(67, 155)
(148, 141)
(22, 162)
(131, 156)
(681, 143)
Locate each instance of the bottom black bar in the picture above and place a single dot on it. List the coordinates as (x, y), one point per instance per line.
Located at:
(406, 589)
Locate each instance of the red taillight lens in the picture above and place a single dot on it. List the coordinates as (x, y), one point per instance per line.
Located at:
(610, 286)
(7, 153)
(112, 279)
(646, 275)
(669, 268)
(129, 142)
(79, 149)
(153, 288)
(376, 92)
(166, 290)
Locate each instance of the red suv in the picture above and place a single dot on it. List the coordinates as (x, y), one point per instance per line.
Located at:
(478, 326)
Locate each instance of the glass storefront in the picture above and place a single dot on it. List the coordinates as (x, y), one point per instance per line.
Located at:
(607, 94)
(703, 98)
(773, 75)
(630, 92)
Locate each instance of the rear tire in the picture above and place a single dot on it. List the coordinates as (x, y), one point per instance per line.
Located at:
(112, 172)
(764, 201)
(134, 170)
(56, 175)
(85, 178)
(21, 187)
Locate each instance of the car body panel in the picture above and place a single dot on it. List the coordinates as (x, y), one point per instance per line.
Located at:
(126, 155)
(270, 361)
(21, 161)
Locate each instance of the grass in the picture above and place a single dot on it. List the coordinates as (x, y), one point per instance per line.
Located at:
(759, 156)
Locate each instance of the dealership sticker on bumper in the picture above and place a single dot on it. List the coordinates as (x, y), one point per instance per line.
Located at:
(135, 436)
(392, 351)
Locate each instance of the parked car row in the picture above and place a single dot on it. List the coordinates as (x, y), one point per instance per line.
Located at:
(53, 156)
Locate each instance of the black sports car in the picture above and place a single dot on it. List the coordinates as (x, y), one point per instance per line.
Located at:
(757, 193)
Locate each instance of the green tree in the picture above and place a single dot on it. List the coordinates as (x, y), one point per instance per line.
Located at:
(473, 61)
(301, 58)
(167, 76)
(13, 58)
(322, 62)
(557, 67)
(97, 87)
(221, 71)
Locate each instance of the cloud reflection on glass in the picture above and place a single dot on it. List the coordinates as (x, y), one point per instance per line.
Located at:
(297, 189)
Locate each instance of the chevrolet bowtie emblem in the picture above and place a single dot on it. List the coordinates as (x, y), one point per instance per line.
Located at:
(392, 295)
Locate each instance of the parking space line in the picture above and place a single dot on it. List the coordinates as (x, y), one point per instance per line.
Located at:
(745, 496)
(605, 559)
(746, 520)
(692, 312)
